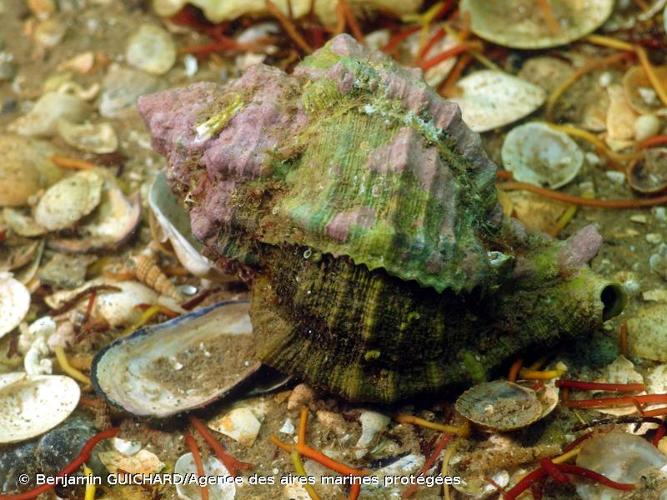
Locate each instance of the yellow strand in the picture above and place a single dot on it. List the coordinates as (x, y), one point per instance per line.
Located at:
(67, 368)
(459, 430)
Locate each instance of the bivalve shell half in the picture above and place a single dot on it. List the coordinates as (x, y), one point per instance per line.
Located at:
(69, 200)
(491, 99)
(30, 406)
(649, 174)
(521, 24)
(42, 120)
(182, 364)
(220, 490)
(538, 154)
(175, 222)
(97, 138)
(14, 303)
(500, 405)
(639, 91)
(151, 49)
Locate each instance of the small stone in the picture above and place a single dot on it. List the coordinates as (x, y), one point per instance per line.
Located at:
(121, 89)
(42, 120)
(660, 213)
(615, 176)
(647, 333)
(646, 126)
(654, 238)
(639, 218)
(301, 395)
(331, 421)
(151, 49)
(657, 295)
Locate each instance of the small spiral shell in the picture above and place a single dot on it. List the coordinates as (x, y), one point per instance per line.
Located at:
(148, 272)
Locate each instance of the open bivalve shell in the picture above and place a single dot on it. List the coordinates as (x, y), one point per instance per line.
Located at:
(182, 364)
(491, 99)
(536, 153)
(506, 406)
(30, 406)
(521, 24)
(220, 490)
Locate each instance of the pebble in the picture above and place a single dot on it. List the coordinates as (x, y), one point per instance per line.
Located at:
(331, 421)
(615, 176)
(646, 126)
(42, 120)
(654, 238)
(151, 49)
(50, 33)
(301, 395)
(7, 67)
(121, 89)
(647, 333)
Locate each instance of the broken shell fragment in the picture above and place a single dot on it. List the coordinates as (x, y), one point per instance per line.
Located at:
(222, 489)
(30, 406)
(92, 138)
(175, 222)
(22, 223)
(69, 200)
(182, 364)
(14, 303)
(649, 174)
(25, 168)
(521, 24)
(151, 49)
(140, 462)
(242, 424)
(491, 99)
(536, 153)
(500, 405)
(42, 120)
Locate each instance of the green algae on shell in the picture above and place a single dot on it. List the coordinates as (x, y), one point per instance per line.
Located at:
(365, 211)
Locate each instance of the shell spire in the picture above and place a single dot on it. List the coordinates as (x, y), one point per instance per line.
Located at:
(351, 155)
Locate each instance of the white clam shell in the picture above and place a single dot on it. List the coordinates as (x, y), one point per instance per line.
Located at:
(69, 200)
(97, 138)
(536, 153)
(14, 303)
(151, 49)
(42, 119)
(30, 406)
(491, 99)
(521, 23)
(212, 467)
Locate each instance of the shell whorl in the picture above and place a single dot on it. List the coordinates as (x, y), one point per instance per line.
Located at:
(351, 155)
